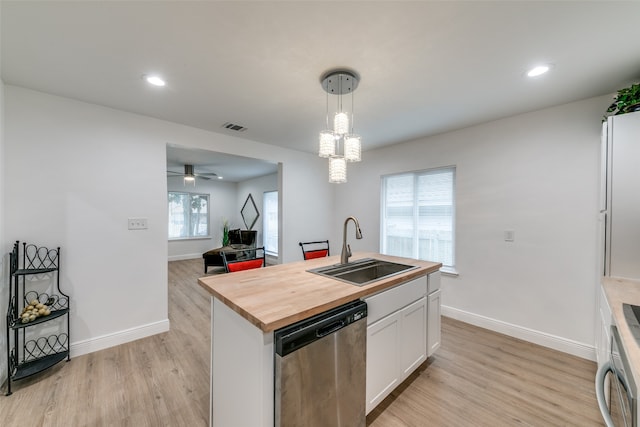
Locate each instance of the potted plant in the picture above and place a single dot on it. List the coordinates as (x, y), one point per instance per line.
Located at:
(225, 233)
(626, 101)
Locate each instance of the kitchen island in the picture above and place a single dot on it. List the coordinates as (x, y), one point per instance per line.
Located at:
(248, 306)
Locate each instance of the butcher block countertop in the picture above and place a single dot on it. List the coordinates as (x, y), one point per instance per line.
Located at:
(279, 295)
(619, 291)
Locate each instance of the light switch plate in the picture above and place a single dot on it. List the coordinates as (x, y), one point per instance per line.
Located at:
(509, 235)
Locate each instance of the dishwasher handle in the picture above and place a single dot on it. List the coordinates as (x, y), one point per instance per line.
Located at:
(329, 329)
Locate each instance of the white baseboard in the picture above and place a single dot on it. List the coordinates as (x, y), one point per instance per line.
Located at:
(111, 340)
(575, 348)
(184, 256)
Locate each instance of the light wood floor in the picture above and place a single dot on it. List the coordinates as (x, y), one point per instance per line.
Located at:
(477, 378)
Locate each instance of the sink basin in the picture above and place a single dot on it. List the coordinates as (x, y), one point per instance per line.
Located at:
(363, 271)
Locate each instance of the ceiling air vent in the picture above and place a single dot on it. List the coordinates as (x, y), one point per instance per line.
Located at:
(233, 126)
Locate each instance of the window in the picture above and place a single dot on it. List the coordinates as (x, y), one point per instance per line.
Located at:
(188, 215)
(270, 222)
(418, 211)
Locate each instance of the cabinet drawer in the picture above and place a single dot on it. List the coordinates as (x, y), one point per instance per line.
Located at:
(392, 300)
(434, 282)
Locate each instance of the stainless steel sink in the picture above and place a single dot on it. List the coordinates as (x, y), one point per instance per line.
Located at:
(364, 271)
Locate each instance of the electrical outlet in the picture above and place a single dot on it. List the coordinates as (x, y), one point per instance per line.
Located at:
(137, 223)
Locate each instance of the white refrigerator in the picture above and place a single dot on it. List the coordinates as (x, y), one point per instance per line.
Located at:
(620, 210)
(619, 249)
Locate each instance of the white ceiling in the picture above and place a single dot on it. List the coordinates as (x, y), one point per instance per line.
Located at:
(426, 67)
(231, 168)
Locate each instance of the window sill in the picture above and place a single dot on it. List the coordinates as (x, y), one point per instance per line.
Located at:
(449, 271)
(180, 239)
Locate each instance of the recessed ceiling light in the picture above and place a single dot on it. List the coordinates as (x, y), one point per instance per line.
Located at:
(155, 80)
(538, 71)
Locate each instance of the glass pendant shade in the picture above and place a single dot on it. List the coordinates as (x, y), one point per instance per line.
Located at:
(337, 170)
(341, 123)
(340, 145)
(327, 146)
(352, 148)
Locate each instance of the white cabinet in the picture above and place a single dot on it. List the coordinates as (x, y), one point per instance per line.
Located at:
(383, 359)
(403, 329)
(433, 322)
(434, 303)
(603, 330)
(413, 337)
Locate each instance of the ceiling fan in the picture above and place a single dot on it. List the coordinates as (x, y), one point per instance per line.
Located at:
(190, 175)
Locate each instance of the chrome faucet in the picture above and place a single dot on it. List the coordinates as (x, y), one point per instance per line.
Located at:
(346, 249)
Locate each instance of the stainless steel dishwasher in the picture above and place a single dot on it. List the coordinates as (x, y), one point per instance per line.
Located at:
(320, 369)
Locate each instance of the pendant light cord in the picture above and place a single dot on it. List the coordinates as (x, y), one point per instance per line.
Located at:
(352, 111)
(327, 115)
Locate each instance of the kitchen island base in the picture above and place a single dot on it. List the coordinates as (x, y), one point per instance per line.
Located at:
(247, 307)
(241, 370)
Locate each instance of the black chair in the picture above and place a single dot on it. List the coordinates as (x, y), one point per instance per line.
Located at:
(317, 249)
(243, 259)
(238, 239)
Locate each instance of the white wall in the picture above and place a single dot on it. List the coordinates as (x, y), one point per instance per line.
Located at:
(226, 200)
(4, 270)
(535, 173)
(256, 187)
(222, 205)
(77, 171)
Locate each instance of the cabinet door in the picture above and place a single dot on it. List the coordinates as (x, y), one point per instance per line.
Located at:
(433, 322)
(413, 336)
(604, 320)
(382, 359)
(624, 203)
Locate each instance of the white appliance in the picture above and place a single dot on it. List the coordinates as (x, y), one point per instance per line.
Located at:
(619, 249)
(621, 199)
(621, 408)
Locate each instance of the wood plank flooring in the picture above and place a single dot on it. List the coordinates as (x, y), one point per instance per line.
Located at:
(482, 378)
(477, 378)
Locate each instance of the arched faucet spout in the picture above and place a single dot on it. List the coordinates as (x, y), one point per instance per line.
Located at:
(346, 248)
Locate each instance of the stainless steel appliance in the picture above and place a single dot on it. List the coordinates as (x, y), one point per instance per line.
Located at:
(615, 388)
(320, 369)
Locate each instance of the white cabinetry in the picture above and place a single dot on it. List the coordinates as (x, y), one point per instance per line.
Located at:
(433, 309)
(413, 337)
(383, 359)
(433, 322)
(603, 330)
(403, 329)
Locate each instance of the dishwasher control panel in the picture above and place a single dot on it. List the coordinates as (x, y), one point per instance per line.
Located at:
(295, 336)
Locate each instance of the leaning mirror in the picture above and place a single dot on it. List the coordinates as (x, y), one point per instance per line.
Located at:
(249, 212)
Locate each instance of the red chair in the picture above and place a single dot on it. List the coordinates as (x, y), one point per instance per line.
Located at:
(243, 259)
(311, 250)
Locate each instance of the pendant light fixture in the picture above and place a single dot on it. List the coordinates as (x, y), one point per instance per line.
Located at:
(189, 177)
(338, 83)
